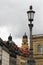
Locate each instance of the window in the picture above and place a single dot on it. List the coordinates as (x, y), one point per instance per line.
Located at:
(39, 49)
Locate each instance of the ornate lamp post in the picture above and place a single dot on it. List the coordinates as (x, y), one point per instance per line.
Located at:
(30, 18)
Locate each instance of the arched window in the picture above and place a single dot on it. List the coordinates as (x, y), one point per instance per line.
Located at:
(39, 49)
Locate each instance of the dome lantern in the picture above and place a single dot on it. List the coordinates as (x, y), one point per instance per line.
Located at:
(10, 37)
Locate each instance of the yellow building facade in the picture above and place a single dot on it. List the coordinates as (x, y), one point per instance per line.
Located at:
(37, 41)
(38, 49)
(25, 42)
(22, 60)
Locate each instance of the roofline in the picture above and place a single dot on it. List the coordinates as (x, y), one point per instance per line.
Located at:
(37, 36)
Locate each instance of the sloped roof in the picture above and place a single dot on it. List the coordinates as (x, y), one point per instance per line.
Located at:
(1, 40)
(24, 51)
(17, 50)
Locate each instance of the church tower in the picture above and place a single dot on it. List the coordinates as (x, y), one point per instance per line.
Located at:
(25, 42)
(22, 60)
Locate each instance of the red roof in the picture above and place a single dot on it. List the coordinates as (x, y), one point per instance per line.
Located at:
(24, 51)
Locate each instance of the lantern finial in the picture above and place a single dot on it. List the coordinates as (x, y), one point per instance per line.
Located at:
(31, 7)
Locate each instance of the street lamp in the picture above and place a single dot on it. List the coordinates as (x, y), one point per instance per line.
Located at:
(31, 18)
(30, 14)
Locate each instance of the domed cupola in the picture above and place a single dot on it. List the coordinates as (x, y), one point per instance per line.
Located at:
(10, 38)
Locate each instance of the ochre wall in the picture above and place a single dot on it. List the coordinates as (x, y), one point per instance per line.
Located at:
(38, 57)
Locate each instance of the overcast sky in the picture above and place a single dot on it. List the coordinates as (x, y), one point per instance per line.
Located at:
(14, 20)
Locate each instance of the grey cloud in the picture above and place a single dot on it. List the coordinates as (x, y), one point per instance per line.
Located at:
(13, 14)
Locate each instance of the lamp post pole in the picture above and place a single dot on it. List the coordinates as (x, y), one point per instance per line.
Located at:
(30, 18)
(31, 45)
